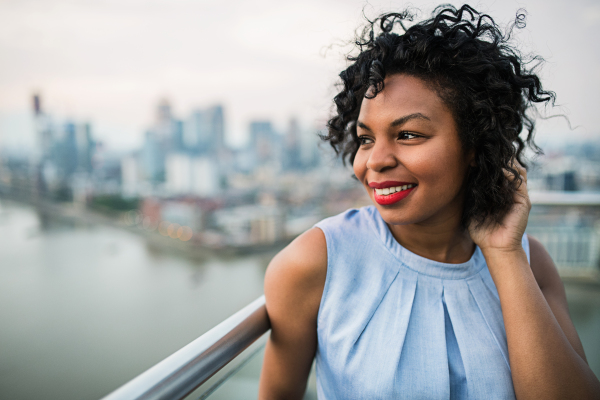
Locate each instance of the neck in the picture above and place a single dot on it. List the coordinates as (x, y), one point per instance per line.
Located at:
(443, 240)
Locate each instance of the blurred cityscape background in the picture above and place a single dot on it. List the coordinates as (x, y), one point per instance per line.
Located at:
(155, 155)
(184, 182)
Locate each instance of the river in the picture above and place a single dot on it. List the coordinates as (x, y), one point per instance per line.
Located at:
(83, 309)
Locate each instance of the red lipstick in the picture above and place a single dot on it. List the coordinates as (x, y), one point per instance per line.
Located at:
(392, 198)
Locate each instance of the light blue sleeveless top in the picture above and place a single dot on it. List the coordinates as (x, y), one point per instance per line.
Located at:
(395, 325)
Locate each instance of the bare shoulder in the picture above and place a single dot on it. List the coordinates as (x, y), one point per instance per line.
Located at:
(296, 276)
(543, 267)
(293, 288)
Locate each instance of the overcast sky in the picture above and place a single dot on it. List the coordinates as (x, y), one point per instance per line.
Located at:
(110, 61)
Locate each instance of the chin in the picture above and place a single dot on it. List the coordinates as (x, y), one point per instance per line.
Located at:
(396, 216)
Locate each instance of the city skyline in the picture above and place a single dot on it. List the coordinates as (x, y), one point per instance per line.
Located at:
(110, 62)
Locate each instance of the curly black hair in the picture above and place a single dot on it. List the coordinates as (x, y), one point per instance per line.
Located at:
(485, 82)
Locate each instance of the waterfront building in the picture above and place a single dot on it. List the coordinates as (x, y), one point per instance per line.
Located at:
(251, 224)
(203, 131)
(85, 148)
(292, 149)
(63, 155)
(131, 175)
(186, 174)
(265, 143)
(153, 158)
(183, 213)
(43, 130)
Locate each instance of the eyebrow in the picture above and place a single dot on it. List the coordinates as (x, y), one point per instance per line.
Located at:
(398, 122)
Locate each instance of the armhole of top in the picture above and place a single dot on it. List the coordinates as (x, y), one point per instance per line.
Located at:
(525, 244)
(328, 243)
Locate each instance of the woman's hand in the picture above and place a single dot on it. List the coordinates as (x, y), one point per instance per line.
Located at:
(505, 236)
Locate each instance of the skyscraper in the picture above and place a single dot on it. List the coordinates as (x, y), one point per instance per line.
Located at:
(264, 141)
(153, 158)
(292, 150)
(85, 147)
(42, 128)
(203, 132)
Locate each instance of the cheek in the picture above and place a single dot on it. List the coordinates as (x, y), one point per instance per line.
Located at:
(439, 168)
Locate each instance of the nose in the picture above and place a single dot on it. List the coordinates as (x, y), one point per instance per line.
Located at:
(381, 157)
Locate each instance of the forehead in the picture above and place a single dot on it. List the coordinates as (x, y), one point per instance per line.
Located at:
(404, 95)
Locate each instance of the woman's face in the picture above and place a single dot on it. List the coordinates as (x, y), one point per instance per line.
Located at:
(410, 159)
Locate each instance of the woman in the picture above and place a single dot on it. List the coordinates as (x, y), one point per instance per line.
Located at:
(435, 291)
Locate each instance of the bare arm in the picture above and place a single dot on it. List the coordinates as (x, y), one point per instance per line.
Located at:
(293, 288)
(545, 354)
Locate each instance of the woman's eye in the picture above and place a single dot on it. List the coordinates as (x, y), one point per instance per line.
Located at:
(364, 140)
(407, 136)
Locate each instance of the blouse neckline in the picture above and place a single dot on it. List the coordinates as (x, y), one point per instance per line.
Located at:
(421, 264)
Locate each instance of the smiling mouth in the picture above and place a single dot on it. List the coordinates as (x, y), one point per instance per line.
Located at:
(389, 195)
(393, 189)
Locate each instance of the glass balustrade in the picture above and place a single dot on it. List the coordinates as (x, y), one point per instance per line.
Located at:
(239, 379)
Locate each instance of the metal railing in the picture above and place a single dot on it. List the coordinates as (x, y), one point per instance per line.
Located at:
(574, 250)
(574, 246)
(183, 371)
(556, 198)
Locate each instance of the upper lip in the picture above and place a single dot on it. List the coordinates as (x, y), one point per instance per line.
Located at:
(387, 184)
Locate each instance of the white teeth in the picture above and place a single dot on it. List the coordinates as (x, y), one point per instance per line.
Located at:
(393, 189)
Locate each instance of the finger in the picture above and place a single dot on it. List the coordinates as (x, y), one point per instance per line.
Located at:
(515, 164)
(522, 188)
(522, 173)
(511, 175)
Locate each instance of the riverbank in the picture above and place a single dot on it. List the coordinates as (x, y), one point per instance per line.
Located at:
(200, 248)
